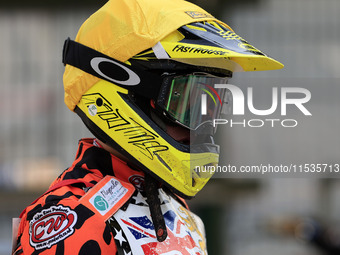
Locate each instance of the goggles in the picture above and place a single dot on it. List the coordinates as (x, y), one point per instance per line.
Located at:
(192, 100)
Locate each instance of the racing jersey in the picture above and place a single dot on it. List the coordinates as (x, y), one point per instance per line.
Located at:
(98, 206)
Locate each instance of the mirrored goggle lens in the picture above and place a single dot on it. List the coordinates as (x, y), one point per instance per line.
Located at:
(193, 100)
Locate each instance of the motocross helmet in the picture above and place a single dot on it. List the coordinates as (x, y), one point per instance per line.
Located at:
(138, 66)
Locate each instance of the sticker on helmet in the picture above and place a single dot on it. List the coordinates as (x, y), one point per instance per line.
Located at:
(198, 15)
(200, 50)
(93, 110)
(147, 142)
(51, 226)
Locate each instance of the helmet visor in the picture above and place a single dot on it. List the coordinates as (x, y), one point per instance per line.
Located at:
(192, 100)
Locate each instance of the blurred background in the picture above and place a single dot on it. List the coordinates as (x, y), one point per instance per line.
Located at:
(286, 215)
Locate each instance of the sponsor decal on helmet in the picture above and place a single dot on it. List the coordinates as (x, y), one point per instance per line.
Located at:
(136, 134)
(92, 110)
(198, 15)
(51, 226)
(200, 50)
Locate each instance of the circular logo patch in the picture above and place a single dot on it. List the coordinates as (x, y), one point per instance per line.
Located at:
(137, 181)
(100, 203)
(51, 226)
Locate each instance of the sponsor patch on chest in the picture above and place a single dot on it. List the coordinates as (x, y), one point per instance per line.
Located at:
(51, 226)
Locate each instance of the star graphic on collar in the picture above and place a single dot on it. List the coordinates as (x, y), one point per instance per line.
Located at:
(120, 238)
(139, 199)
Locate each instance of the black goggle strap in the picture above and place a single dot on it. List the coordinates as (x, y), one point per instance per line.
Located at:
(104, 67)
(164, 90)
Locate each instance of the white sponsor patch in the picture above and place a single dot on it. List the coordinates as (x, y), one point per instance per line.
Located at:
(107, 196)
